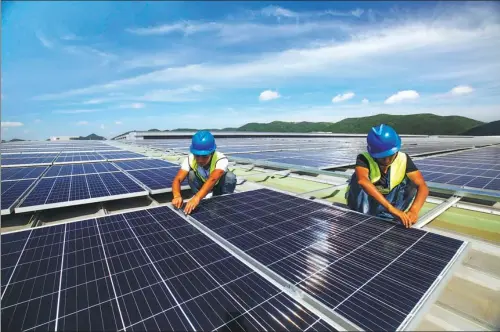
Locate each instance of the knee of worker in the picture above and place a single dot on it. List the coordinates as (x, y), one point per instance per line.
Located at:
(193, 181)
(229, 183)
(356, 197)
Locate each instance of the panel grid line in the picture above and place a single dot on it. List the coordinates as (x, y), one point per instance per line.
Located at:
(153, 265)
(15, 266)
(60, 277)
(109, 273)
(194, 259)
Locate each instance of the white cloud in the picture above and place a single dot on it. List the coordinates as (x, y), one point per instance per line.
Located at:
(365, 101)
(26, 131)
(171, 95)
(82, 123)
(118, 122)
(390, 48)
(44, 41)
(343, 97)
(134, 105)
(461, 90)
(11, 124)
(102, 126)
(93, 102)
(401, 96)
(269, 95)
(77, 111)
(37, 121)
(278, 12)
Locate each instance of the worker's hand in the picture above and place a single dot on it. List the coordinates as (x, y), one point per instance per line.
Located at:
(413, 216)
(177, 202)
(192, 204)
(401, 216)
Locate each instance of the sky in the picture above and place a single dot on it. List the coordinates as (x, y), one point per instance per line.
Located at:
(75, 68)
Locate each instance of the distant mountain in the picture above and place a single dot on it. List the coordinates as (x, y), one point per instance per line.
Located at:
(416, 124)
(487, 129)
(412, 124)
(92, 137)
(17, 140)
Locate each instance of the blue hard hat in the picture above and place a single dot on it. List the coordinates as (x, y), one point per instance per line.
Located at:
(203, 143)
(383, 141)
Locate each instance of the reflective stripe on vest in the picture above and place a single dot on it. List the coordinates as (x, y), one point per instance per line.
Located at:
(194, 166)
(397, 171)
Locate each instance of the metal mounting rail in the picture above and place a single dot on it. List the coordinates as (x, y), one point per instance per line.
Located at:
(432, 214)
(335, 187)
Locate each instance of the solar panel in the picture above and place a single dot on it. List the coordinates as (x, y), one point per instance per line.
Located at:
(79, 189)
(79, 169)
(146, 270)
(373, 273)
(17, 162)
(78, 157)
(157, 180)
(143, 164)
(111, 156)
(12, 192)
(20, 173)
(479, 168)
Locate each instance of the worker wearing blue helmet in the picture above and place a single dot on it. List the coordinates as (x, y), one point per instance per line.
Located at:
(207, 172)
(386, 183)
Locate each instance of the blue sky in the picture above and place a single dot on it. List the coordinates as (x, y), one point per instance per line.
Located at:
(109, 67)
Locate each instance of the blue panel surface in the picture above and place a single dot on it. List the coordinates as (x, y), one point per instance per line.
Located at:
(20, 173)
(341, 258)
(129, 165)
(121, 155)
(133, 271)
(79, 169)
(80, 187)
(30, 298)
(156, 179)
(478, 168)
(14, 190)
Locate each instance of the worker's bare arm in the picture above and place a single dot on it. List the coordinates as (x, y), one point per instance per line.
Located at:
(362, 174)
(204, 190)
(422, 193)
(176, 188)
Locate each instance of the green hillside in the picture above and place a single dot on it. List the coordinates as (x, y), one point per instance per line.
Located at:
(425, 124)
(92, 137)
(487, 129)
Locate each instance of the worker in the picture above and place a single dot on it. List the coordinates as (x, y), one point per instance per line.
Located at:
(207, 172)
(386, 183)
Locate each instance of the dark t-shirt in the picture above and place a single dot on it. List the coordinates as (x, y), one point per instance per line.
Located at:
(384, 182)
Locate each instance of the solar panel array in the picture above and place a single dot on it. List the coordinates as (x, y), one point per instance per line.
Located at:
(157, 175)
(75, 184)
(320, 153)
(369, 271)
(152, 270)
(477, 169)
(146, 270)
(69, 190)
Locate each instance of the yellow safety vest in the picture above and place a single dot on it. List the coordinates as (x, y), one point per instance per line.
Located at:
(194, 166)
(397, 171)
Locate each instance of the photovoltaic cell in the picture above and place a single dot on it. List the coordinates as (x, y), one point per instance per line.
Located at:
(12, 191)
(134, 271)
(477, 169)
(22, 173)
(79, 189)
(157, 179)
(130, 165)
(79, 169)
(78, 157)
(121, 155)
(368, 270)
